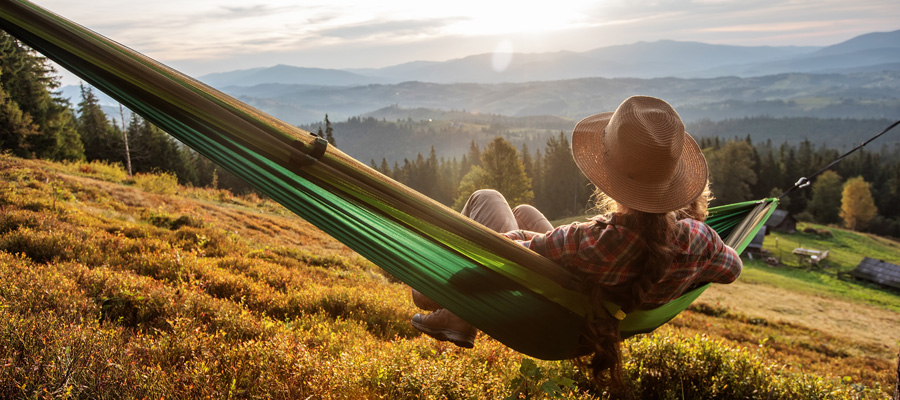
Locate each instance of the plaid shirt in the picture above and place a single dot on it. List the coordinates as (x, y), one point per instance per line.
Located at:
(605, 247)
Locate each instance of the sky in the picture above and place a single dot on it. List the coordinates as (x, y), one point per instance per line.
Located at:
(199, 37)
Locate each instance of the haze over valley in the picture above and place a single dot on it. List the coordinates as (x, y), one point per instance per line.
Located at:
(855, 79)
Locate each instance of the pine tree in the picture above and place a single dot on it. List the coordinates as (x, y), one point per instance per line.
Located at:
(329, 131)
(28, 80)
(439, 189)
(857, 204)
(537, 180)
(731, 172)
(769, 172)
(889, 195)
(527, 162)
(791, 173)
(154, 150)
(384, 168)
(16, 127)
(565, 190)
(449, 172)
(474, 155)
(102, 141)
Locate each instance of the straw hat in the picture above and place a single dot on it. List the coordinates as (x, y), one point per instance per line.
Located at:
(640, 156)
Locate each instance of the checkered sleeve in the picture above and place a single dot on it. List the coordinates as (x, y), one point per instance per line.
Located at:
(557, 244)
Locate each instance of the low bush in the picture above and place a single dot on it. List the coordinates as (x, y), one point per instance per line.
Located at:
(699, 367)
(160, 183)
(99, 169)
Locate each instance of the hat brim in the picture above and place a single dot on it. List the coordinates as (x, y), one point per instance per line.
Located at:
(687, 182)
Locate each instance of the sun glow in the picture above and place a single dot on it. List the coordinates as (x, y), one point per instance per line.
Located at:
(502, 55)
(514, 17)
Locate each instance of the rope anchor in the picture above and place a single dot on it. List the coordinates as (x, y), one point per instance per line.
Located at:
(804, 181)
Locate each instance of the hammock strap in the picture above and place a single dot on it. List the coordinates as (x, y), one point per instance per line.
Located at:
(299, 158)
(805, 181)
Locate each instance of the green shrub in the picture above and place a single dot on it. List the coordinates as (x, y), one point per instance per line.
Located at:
(100, 169)
(160, 183)
(698, 367)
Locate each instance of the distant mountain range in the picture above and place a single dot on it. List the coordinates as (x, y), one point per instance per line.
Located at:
(857, 95)
(666, 58)
(858, 78)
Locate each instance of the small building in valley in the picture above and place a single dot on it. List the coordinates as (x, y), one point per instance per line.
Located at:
(781, 221)
(878, 271)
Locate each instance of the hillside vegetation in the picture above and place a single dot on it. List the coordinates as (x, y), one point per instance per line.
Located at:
(117, 287)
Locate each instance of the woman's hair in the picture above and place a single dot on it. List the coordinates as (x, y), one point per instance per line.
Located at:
(657, 238)
(697, 209)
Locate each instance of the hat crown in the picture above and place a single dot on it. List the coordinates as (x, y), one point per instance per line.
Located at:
(644, 139)
(641, 156)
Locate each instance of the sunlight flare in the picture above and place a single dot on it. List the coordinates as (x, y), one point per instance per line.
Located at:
(503, 55)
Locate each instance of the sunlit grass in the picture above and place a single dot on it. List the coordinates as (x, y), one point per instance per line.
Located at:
(109, 291)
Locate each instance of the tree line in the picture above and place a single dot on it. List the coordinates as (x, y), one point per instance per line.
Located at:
(35, 122)
(547, 178)
(861, 192)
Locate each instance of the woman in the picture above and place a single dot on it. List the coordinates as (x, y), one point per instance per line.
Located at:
(648, 249)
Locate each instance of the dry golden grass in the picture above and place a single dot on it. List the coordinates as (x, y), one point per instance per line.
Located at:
(111, 291)
(874, 330)
(801, 332)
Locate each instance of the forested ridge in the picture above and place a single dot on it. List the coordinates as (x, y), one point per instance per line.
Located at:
(528, 159)
(747, 162)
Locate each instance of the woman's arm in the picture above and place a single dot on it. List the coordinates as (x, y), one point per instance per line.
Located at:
(521, 234)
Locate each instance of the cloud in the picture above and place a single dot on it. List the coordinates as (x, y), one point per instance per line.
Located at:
(245, 12)
(390, 29)
(222, 34)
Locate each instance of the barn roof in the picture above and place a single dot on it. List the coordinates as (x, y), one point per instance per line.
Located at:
(878, 271)
(778, 216)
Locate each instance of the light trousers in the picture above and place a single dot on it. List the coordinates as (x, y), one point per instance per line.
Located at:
(489, 208)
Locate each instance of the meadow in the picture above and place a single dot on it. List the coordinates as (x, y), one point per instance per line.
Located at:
(118, 287)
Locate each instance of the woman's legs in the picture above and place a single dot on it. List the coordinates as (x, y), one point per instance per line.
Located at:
(530, 219)
(489, 208)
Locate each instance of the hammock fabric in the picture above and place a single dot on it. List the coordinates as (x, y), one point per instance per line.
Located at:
(510, 293)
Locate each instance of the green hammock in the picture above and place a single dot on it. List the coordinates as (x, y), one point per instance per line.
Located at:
(510, 293)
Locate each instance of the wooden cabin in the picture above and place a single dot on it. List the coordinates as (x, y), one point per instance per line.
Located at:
(878, 271)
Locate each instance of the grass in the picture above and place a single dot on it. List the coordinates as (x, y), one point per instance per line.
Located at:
(112, 291)
(824, 283)
(831, 276)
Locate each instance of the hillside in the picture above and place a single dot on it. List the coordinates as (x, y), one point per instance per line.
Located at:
(132, 288)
